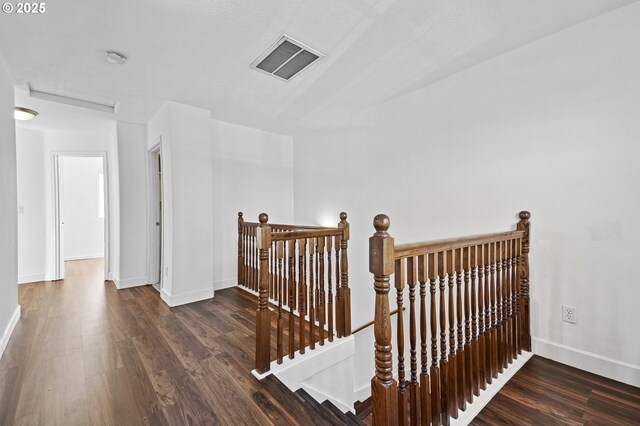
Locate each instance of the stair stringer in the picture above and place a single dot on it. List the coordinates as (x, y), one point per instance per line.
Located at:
(325, 373)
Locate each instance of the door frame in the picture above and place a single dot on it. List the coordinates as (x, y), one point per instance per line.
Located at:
(58, 233)
(155, 246)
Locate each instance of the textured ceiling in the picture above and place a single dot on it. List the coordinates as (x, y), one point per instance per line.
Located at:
(198, 52)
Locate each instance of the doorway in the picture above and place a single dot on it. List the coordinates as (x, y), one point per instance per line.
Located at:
(80, 209)
(155, 201)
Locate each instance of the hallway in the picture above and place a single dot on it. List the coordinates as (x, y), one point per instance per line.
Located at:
(85, 353)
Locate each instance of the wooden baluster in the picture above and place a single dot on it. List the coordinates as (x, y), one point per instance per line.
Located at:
(414, 387)
(251, 237)
(311, 289)
(400, 278)
(381, 265)
(506, 265)
(285, 286)
(321, 293)
(424, 399)
(256, 260)
(240, 257)
(250, 257)
(514, 289)
(468, 355)
(509, 304)
(263, 320)
(244, 257)
(445, 384)
(271, 274)
(292, 296)
(317, 281)
(280, 283)
(436, 410)
(494, 324)
(499, 280)
(517, 305)
(247, 257)
(302, 253)
(524, 281)
(345, 292)
(475, 335)
(339, 304)
(453, 373)
(460, 356)
(482, 336)
(330, 311)
(274, 268)
(505, 318)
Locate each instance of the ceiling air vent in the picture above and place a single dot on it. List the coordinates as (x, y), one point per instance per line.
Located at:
(286, 58)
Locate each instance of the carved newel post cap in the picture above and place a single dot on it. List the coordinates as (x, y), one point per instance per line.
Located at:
(343, 216)
(525, 215)
(239, 214)
(381, 222)
(263, 218)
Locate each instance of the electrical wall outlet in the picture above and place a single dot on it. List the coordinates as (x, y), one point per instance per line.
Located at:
(569, 314)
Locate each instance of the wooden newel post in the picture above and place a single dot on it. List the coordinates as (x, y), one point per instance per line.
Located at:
(345, 291)
(381, 264)
(524, 281)
(240, 250)
(263, 321)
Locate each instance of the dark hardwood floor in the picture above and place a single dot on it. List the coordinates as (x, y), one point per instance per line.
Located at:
(85, 353)
(545, 392)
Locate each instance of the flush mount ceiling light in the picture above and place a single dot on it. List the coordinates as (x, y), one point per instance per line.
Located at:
(115, 57)
(24, 114)
(286, 58)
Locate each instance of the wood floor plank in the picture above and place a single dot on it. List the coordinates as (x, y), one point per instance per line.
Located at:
(547, 392)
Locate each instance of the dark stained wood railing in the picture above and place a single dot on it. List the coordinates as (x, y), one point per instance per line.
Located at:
(304, 272)
(475, 321)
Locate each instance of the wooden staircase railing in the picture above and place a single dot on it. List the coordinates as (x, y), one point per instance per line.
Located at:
(295, 268)
(475, 323)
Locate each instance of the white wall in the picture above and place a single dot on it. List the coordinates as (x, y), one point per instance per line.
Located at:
(552, 128)
(209, 174)
(132, 268)
(187, 160)
(253, 174)
(9, 308)
(31, 154)
(31, 207)
(83, 225)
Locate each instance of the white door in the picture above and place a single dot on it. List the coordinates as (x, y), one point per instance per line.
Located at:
(156, 247)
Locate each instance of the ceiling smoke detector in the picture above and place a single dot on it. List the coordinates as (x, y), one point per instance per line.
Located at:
(115, 57)
(286, 58)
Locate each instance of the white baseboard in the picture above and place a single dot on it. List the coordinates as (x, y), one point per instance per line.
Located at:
(222, 284)
(112, 277)
(84, 257)
(588, 361)
(362, 393)
(30, 278)
(184, 298)
(8, 331)
(130, 282)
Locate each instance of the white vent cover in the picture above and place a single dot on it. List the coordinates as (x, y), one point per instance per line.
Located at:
(286, 58)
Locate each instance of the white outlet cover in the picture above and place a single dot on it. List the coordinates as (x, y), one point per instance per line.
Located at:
(569, 314)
